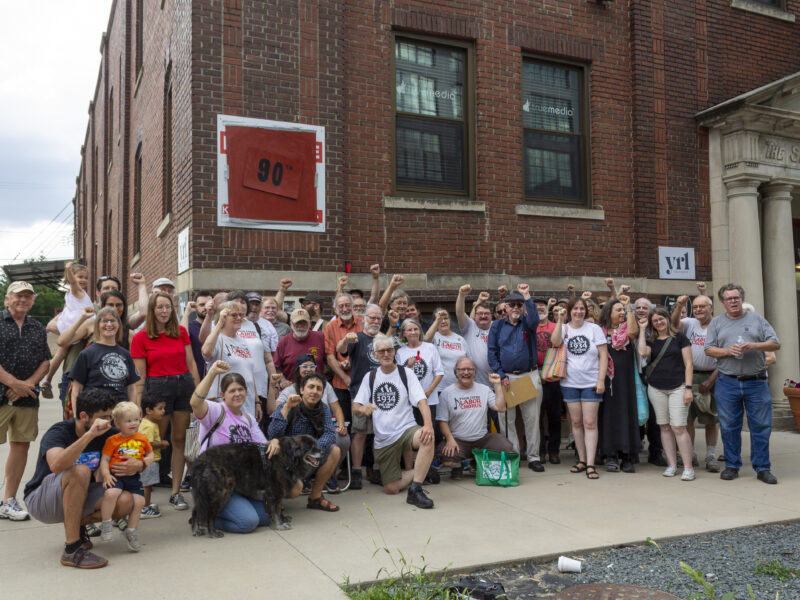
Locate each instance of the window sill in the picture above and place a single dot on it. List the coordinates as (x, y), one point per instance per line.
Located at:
(763, 9)
(560, 212)
(451, 204)
(162, 228)
(135, 259)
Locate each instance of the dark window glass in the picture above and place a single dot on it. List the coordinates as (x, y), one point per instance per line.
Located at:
(167, 205)
(430, 132)
(137, 202)
(139, 35)
(554, 135)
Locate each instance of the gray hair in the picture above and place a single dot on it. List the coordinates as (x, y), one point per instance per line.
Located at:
(729, 287)
(650, 305)
(409, 321)
(339, 295)
(373, 305)
(398, 293)
(384, 339)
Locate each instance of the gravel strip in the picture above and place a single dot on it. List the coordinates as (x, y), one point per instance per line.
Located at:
(726, 558)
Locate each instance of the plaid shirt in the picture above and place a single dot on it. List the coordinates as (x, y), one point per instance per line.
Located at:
(335, 330)
(302, 426)
(22, 351)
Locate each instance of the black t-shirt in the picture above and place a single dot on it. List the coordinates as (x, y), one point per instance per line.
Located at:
(62, 435)
(362, 359)
(670, 370)
(108, 367)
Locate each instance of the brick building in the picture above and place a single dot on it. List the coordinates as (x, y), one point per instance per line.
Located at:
(491, 142)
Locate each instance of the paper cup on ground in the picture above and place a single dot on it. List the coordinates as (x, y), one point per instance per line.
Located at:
(568, 565)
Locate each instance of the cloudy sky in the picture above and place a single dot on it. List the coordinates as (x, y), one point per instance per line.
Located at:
(51, 58)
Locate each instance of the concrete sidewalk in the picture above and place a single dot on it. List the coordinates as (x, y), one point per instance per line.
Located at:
(548, 514)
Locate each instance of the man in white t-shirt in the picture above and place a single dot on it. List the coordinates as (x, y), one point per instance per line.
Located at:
(476, 333)
(389, 397)
(704, 407)
(269, 335)
(463, 407)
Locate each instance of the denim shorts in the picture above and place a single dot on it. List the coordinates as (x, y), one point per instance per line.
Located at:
(580, 395)
(175, 390)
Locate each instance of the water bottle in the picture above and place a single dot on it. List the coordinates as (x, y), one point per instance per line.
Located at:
(740, 340)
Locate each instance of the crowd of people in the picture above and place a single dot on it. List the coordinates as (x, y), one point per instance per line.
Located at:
(404, 399)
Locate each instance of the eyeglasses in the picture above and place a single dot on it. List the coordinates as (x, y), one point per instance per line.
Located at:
(236, 315)
(373, 318)
(384, 351)
(107, 321)
(732, 299)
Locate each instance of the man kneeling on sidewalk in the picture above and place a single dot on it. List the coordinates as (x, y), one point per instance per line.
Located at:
(388, 393)
(461, 416)
(62, 489)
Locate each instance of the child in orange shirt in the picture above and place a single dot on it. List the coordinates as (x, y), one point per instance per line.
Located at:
(128, 443)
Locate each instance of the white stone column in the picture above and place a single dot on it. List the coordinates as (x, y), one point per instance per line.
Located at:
(745, 239)
(779, 285)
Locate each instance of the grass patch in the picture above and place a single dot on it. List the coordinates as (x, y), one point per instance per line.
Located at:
(777, 569)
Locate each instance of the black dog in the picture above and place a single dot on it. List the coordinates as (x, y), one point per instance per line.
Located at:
(243, 468)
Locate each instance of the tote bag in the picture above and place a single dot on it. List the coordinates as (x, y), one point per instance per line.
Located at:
(496, 468)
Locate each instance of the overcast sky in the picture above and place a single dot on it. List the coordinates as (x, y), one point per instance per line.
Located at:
(50, 60)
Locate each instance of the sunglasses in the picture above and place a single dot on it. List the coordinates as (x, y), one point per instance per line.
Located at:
(515, 304)
(500, 312)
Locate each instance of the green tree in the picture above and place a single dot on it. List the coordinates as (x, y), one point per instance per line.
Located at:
(48, 300)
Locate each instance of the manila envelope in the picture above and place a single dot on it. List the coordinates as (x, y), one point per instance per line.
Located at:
(520, 390)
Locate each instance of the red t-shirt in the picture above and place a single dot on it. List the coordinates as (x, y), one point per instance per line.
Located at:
(543, 333)
(289, 349)
(164, 355)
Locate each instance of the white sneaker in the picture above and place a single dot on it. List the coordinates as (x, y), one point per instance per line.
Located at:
(670, 472)
(688, 475)
(10, 509)
(107, 531)
(133, 540)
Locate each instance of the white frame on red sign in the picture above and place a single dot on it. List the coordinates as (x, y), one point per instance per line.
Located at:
(223, 220)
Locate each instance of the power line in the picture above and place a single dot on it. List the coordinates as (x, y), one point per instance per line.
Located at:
(66, 206)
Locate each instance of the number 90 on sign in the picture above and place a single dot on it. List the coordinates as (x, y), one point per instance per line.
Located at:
(273, 173)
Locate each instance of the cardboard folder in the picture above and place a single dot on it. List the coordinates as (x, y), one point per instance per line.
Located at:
(520, 390)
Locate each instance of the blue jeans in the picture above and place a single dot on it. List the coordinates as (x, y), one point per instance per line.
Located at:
(570, 394)
(732, 396)
(241, 515)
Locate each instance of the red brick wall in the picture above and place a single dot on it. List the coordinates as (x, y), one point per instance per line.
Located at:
(652, 66)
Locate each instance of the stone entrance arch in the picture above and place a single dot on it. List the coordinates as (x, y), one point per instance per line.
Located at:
(754, 177)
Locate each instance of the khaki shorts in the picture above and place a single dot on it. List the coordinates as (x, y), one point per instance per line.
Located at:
(704, 407)
(23, 421)
(362, 424)
(390, 457)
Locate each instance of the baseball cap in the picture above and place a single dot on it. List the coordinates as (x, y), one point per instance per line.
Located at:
(312, 297)
(304, 358)
(20, 286)
(514, 296)
(253, 297)
(301, 314)
(162, 281)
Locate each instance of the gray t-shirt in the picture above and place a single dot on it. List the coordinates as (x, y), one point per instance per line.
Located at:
(450, 348)
(478, 350)
(693, 330)
(723, 332)
(465, 410)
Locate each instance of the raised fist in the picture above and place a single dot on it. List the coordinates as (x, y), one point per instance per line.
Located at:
(88, 312)
(610, 283)
(524, 289)
(483, 297)
(293, 400)
(286, 283)
(494, 378)
(683, 299)
(503, 291)
(137, 278)
(701, 285)
(465, 289)
(626, 300)
(343, 279)
(351, 338)
(220, 366)
(192, 305)
(551, 302)
(397, 280)
(211, 307)
(586, 295)
(375, 270)
(394, 317)
(570, 288)
(624, 288)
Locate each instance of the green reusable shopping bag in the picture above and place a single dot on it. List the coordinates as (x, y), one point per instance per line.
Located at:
(496, 468)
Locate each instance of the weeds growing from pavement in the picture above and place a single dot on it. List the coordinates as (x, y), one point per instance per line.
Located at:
(403, 581)
(776, 568)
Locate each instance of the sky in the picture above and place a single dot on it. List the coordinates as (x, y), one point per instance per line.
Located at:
(50, 53)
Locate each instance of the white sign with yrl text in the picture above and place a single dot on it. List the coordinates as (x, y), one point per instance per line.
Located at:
(183, 250)
(675, 263)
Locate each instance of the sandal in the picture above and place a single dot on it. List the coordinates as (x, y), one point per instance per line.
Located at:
(591, 472)
(321, 503)
(578, 467)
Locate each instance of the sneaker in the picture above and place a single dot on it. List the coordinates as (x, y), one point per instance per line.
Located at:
(612, 466)
(186, 484)
(83, 559)
(627, 467)
(658, 460)
(457, 473)
(178, 502)
(433, 476)
(107, 531)
(436, 464)
(122, 524)
(355, 480)
(375, 477)
(332, 487)
(10, 509)
(150, 512)
(688, 475)
(670, 472)
(419, 498)
(767, 477)
(92, 530)
(729, 474)
(712, 466)
(133, 540)
(46, 388)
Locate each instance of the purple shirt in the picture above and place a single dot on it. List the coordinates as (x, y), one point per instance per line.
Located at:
(234, 429)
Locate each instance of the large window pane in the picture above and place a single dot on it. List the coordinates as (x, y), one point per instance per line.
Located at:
(429, 154)
(551, 97)
(429, 80)
(552, 166)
